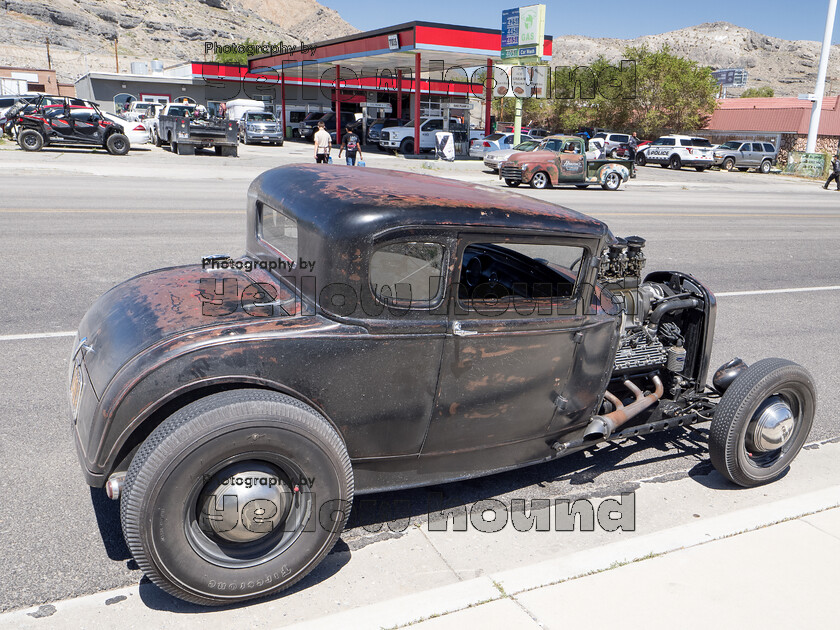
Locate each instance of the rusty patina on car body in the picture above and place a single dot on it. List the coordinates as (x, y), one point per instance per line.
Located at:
(566, 163)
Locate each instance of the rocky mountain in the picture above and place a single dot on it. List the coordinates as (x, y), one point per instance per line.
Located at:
(82, 33)
(789, 67)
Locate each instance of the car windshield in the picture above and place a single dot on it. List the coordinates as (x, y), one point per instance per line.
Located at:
(261, 117)
(530, 145)
(181, 110)
(730, 145)
(312, 116)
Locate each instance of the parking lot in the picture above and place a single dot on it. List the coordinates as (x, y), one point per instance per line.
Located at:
(75, 223)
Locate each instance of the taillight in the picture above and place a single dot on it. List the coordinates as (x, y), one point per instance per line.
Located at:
(690, 152)
(486, 144)
(139, 128)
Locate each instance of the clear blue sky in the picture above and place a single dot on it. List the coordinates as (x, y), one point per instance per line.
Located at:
(788, 19)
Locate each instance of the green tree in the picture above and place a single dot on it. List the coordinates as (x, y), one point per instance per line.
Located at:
(762, 92)
(650, 92)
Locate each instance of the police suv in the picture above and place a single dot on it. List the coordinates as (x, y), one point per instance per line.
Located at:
(678, 151)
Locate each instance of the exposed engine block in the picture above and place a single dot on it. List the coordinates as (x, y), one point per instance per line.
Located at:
(638, 350)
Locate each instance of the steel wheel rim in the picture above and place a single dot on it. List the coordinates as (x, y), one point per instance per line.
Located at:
(221, 551)
(767, 459)
(612, 180)
(539, 180)
(29, 140)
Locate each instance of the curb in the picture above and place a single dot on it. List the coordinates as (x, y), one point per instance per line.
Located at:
(411, 609)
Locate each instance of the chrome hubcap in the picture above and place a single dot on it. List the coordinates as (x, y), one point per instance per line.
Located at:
(245, 502)
(539, 180)
(771, 427)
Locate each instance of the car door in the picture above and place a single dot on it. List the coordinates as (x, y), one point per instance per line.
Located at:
(570, 162)
(427, 132)
(60, 121)
(86, 125)
(516, 322)
(747, 158)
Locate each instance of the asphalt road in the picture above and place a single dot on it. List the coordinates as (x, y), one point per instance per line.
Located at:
(70, 235)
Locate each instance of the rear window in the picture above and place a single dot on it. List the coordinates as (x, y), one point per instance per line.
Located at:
(617, 137)
(701, 142)
(279, 230)
(495, 136)
(600, 135)
(180, 110)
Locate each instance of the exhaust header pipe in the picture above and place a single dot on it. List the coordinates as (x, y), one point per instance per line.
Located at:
(601, 427)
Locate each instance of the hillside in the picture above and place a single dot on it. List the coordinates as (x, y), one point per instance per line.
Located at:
(82, 32)
(789, 67)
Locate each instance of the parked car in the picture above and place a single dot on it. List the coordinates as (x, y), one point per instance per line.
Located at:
(676, 152)
(188, 129)
(310, 126)
(56, 120)
(260, 127)
(170, 109)
(745, 155)
(135, 131)
(375, 129)
(402, 138)
(493, 142)
(613, 142)
(563, 160)
(492, 159)
(442, 331)
(141, 110)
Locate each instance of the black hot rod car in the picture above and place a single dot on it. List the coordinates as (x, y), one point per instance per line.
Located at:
(387, 330)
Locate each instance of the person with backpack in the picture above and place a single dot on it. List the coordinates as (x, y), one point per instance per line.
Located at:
(350, 145)
(835, 172)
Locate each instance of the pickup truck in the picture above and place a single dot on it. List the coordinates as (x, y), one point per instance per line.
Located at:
(184, 130)
(402, 138)
(563, 160)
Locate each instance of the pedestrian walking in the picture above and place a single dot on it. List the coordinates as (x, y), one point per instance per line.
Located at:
(835, 172)
(323, 144)
(350, 146)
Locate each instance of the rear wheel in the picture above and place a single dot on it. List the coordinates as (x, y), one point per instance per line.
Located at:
(762, 421)
(31, 140)
(675, 162)
(513, 183)
(117, 144)
(729, 164)
(236, 496)
(765, 167)
(540, 180)
(612, 181)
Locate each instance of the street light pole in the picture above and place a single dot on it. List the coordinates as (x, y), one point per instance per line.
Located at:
(816, 108)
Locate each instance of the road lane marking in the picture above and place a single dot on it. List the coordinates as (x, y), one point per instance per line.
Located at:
(49, 335)
(771, 291)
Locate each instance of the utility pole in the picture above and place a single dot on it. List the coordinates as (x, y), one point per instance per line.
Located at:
(49, 61)
(117, 57)
(816, 108)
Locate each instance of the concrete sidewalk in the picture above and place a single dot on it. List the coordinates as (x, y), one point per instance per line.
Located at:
(685, 562)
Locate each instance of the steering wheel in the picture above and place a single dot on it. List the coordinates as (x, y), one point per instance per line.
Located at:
(472, 272)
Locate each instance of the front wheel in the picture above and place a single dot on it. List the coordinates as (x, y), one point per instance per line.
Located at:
(31, 140)
(236, 496)
(612, 181)
(729, 164)
(765, 167)
(641, 160)
(407, 147)
(513, 183)
(675, 162)
(540, 180)
(117, 144)
(762, 421)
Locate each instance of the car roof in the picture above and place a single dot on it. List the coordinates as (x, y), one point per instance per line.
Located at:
(341, 202)
(557, 136)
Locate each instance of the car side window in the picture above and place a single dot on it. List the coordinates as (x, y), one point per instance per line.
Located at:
(514, 277)
(769, 148)
(408, 274)
(757, 147)
(433, 125)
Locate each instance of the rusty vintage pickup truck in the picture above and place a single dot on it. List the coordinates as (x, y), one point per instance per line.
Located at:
(563, 160)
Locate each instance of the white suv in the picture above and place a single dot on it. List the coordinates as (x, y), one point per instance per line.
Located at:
(676, 152)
